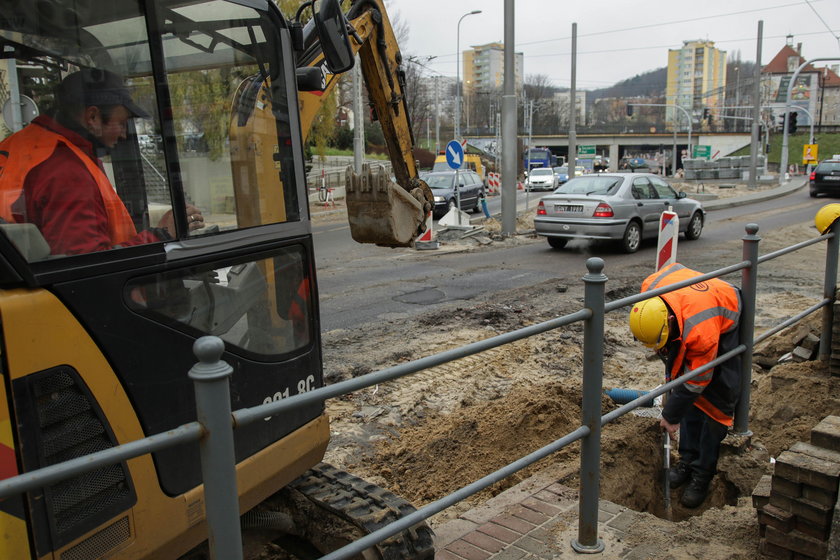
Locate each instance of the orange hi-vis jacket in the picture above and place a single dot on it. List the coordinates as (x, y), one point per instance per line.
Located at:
(23, 151)
(704, 311)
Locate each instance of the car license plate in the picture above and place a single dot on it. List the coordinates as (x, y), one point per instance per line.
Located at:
(832, 178)
(567, 208)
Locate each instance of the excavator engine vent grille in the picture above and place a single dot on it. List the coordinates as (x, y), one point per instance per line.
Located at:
(70, 426)
(102, 542)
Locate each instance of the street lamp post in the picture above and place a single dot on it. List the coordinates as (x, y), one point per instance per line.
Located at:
(458, 75)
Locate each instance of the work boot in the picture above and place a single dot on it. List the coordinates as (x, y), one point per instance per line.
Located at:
(678, 474)
(696, 491)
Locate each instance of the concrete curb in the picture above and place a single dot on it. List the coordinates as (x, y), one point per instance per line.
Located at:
(787, 188)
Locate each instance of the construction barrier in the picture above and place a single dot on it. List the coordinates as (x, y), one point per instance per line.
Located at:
(426, 240)
(494, 182)
(669, 230)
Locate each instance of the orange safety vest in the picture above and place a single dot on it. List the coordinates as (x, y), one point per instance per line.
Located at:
(23, 151)
(704, 312)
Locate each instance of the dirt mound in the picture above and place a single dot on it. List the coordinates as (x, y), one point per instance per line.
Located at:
(448, 452)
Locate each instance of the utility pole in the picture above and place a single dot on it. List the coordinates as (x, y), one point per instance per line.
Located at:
(572, 163)
(437, 116)
(756, 111)
(509, 127)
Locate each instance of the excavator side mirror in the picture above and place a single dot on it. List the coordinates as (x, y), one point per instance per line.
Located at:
(310, 79)
(332, 33)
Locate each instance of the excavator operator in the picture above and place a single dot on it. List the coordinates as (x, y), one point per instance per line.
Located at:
(51, 175)
(688, 328)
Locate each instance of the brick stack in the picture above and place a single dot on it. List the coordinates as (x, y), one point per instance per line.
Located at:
(796, 504)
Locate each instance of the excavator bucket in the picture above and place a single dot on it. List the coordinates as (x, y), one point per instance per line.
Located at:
(380, 211)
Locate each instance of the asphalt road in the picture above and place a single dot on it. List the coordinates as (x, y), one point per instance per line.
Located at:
(360, 284)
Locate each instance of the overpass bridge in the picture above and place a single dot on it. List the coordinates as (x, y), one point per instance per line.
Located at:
(614, 146)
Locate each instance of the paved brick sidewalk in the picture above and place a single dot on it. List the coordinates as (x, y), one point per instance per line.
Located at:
(538, 518)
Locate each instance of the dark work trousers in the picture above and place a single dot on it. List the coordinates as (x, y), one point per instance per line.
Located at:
(700, 436)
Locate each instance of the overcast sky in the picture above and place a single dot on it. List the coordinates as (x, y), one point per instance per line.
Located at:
(616, 39)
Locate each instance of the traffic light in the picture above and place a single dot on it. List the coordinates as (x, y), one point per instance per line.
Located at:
(792, 116)
(706, 113)
(629, 110)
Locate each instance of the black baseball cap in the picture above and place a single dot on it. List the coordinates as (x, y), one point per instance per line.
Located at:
(95, 86)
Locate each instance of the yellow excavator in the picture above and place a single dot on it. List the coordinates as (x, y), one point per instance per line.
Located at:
(95, 344)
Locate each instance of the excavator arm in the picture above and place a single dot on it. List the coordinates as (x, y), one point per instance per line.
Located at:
(379, 210)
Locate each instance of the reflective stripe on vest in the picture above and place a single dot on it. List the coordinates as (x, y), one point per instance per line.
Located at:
(23, 151)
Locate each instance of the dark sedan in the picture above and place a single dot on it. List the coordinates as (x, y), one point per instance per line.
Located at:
(825, 178)
(442, 185)
(624, 207)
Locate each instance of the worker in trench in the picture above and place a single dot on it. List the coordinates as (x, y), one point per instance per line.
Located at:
(689, 328)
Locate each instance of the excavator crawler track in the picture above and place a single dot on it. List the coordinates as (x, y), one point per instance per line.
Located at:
(366, 506)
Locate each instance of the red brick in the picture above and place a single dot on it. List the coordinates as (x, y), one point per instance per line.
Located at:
(519, 525)
(541, 506)
(776, 517)
(811, 529)
(807, 464)
(798, 541)
(499, 533)
(529, 515)
(827, 433)
(549, 497)
(761, 492)
(786, 487)
(819, 495)
(468, 551)
(774, 551)
(807, 509)
(446, 555)
(484, 542)
(563, 491)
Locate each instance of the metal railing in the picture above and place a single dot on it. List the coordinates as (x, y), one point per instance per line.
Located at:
(216, 423)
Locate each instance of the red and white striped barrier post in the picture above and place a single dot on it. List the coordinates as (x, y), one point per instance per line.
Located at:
(669, 231)
(426, 240)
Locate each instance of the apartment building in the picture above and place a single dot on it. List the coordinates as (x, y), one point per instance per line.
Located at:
(696, 80)
(484, 68)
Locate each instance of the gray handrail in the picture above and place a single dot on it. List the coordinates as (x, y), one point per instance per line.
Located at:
(216, 423)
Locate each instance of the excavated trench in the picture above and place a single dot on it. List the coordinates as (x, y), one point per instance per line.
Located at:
(442, 453)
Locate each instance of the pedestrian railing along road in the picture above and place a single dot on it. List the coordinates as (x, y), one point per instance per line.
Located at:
(214, 429)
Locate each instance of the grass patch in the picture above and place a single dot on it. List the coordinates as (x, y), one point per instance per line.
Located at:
(828, 142)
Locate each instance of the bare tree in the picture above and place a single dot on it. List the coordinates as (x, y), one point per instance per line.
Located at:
(538, 86)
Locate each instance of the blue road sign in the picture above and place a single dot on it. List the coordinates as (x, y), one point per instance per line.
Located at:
(455, 154)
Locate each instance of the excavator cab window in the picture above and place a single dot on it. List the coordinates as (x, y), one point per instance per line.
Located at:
(233, 301)
(205, 147)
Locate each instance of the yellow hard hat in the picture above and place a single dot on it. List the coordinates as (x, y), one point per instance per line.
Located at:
(649, 322)
(826, 216)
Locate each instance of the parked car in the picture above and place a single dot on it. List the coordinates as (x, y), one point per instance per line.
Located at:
(562, 174)
(442, 184)
(622, 207)
(541, 179)
(825, 178)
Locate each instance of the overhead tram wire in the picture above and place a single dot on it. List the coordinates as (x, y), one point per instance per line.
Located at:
(833, 34)
(660, 24)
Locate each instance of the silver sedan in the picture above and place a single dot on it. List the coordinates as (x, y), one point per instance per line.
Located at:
(623, 207)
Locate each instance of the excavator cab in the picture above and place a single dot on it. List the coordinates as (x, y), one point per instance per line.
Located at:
(97, 343)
